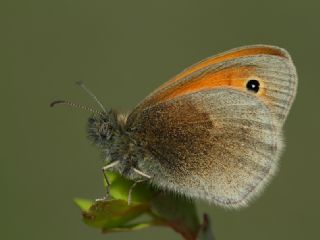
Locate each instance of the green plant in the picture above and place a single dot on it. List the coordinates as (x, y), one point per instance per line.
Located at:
(148, 207)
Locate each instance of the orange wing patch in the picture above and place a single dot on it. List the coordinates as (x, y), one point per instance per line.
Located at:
(235, 77)
(230, 55)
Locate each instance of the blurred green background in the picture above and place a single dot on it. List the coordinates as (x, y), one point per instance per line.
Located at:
(123, 50)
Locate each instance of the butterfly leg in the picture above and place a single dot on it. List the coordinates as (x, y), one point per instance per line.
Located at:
(131, 188)
(104, 169)
(146, 177)
(141, 173)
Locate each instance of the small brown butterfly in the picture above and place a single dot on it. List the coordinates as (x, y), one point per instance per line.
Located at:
(212, 132)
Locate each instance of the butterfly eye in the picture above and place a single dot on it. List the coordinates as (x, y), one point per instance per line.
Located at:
(253, 85)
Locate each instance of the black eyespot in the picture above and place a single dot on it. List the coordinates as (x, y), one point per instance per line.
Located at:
(253, 85)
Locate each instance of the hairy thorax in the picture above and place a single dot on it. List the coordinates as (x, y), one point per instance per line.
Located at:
(107, 131)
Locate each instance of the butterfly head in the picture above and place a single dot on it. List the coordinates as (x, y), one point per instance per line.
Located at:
(106, 129)
(102, 127)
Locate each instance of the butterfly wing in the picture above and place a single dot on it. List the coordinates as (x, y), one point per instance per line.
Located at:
(211, 138)
(271, 65)
(219, 145)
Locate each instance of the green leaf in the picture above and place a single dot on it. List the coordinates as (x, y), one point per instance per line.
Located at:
(120, 188)
(83, 204)
(112, 215)
(131, 227)
(112, 176)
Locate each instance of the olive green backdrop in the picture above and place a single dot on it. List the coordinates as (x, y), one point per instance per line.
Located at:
(123, 50)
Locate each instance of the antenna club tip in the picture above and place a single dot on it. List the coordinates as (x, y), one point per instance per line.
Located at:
(52, 104)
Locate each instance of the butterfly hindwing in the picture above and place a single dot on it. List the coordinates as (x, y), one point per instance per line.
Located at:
(218, 144)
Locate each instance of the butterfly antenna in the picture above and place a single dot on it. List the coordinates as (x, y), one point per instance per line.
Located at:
(81, 84)
(59, 102)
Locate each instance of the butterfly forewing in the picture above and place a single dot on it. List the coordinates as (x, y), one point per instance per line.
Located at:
(271, 66)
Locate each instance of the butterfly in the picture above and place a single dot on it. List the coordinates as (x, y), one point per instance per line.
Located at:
(212, 132)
